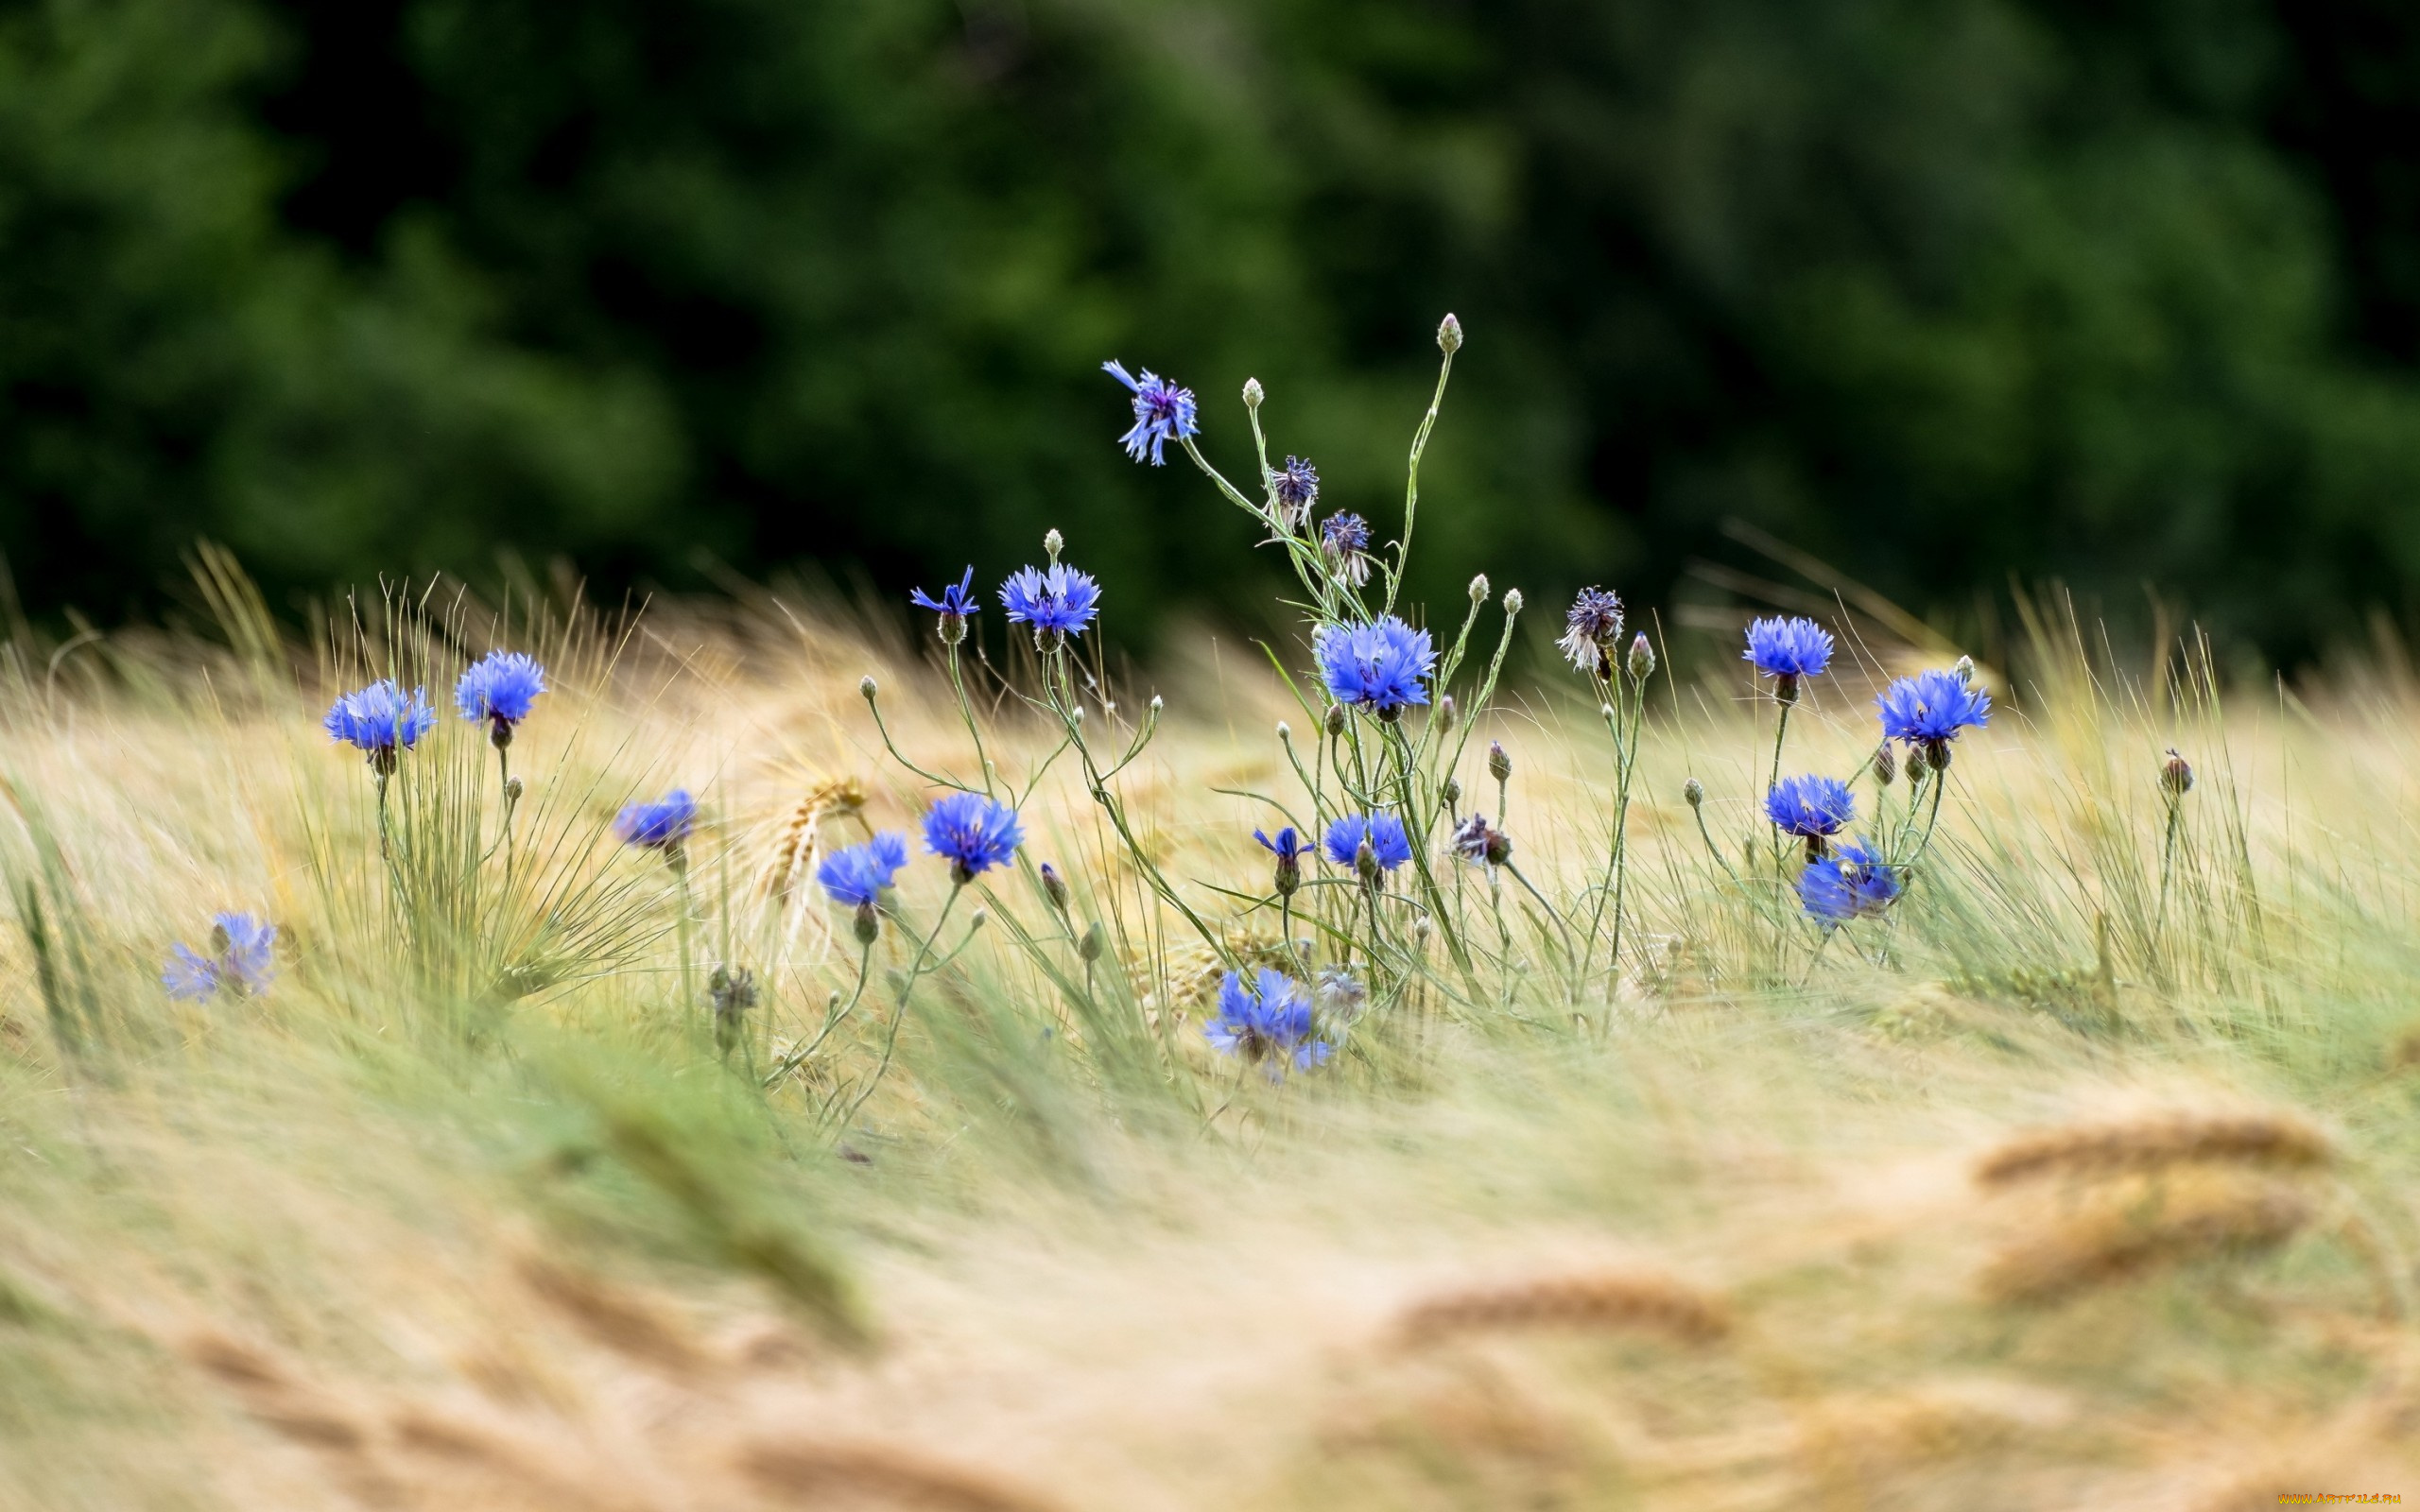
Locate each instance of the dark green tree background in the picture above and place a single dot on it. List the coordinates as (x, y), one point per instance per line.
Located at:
(1946, 292)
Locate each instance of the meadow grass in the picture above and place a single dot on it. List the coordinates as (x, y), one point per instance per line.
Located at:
(2087, 1176)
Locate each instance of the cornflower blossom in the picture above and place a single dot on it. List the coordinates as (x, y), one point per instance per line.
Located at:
(1267, 1024)
(973, 834)
(1851, 882)
(1930, 709)
(1339, 994)
(499, 688)
(1057, 600)
(956, 605)
(1812, 808)
(1296, 488)
(1378, 666)
(1788, 651)
(1384, 834)
(858, 875)
(1591, 629)
(1162, 413)
(241, 960)
(1345, 538)
(664, 825)
(1477, 841)
(1289, 847)
(380, 721)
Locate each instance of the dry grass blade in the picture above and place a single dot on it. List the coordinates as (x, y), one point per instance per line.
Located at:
(1647, 1302)
(2126, 1230)
(2147, 1144)
(819, 1475)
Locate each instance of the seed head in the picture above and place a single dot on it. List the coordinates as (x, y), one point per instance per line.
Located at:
(1449, 335)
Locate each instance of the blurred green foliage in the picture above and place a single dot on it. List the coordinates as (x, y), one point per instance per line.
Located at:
(1943, 292)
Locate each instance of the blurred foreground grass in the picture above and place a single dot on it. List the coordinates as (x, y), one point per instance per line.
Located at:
(2059, 1194)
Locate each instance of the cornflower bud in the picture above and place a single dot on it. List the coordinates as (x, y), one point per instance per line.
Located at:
(1336, 719)
(1054, 543)
(1642, 658)
(1605, 713)
(2176, 775)
(1451, 791)
(1089, 948)
(1499, 762)
(1449, 335)
(1917, 765)
(1444, 713)
(1966, 670)
(977, 920)
(1365, 863)
(1054, 887)
(865, 688)
(1158, 703)
(1693, 792)
(868, 923)
(1284, 733)
(1251, 393)
(1886, 765)
(513, 790)
(1480, 589)
(1513, 602)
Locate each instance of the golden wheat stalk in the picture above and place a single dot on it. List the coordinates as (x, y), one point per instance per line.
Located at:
(2150, 1143)
(1640, 1301)
(2128, 1231)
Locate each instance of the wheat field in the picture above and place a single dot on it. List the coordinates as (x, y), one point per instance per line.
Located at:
(2088, 1178)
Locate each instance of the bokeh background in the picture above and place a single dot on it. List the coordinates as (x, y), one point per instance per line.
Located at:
(1953, 295)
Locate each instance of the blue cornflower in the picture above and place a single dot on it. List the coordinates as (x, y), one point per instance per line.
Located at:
(1346, 537)
(380, 721)
(1787, 650)
(1162, 413)
(500, 688)
(1379, 666)
(1296, 488)
(973, 834)
(1289, 847)
(1851, 882)
(1059, 599)
(1266, 1024)
(1930, 709)
(956, 605)
(241, 960)
(663, 825)
(858, 874)
(1812, 807)
(1385, 833)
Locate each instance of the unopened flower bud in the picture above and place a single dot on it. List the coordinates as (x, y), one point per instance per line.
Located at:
(1336, 719)
(1886, 765)
(1284, 732)
(2176, 775)
(1054, 543)
(868, 924)
(513, 790)
(1605, 712)
(1451, 791)
(1420, 929)
(1158, 703)
(953, 630)
(1444, 713)
(1966, 670)
(1642, 658)
(1365, 862)
(1089, 946)
(1288, 880)
(1480, 589)
(1077, 713)
(1693, 792)
(1499, 762)
(1253, 395)
(500, 733)
(977, 920)
(1449, 335)
(1054, 886)
(1916, 765)
(865, 688)
(1513, 602)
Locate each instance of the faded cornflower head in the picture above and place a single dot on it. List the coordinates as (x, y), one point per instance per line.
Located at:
(1477, 841)
(956, 605)
(499, 688)
(1383, 832)
(1296, 488)
(241, 962)
(380, 721)
(1162, 413)
(1380, 667)
(1059, 600)
(1812, 807)
(1929, 709)
(1788, 651)
(664, 825)
(1341, 995)
(2176, 774)
(973, 834)
(1267, 1022)
(1850, 882)
(1591, 629)
(1345, 538)
(859, 874)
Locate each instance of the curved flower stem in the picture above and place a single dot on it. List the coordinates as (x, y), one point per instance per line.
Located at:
(966, 713)
(689, 981)
(840, 1014)
(1412, 480)
(899, 1015)
(899, 756)
(1553, 911)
